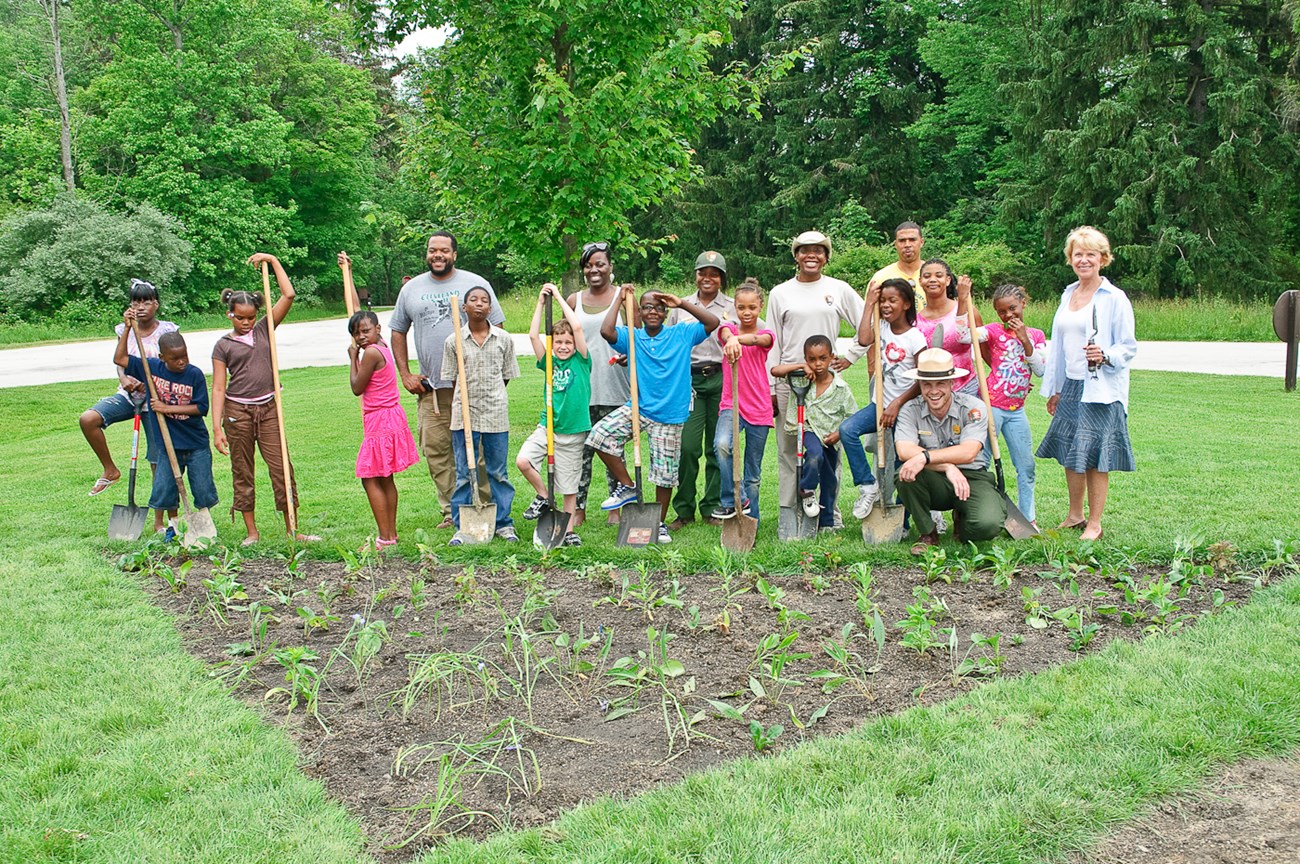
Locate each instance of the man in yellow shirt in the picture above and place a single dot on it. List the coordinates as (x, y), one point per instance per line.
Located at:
(908, 243)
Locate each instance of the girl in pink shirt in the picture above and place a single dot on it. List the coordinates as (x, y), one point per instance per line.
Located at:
(744, 350)
(1013, 352)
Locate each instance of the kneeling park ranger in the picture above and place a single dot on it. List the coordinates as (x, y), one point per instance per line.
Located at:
(942, 442)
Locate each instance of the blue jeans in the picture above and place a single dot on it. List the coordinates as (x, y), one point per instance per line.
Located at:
(1013, 426)
(851, 432)
(819, 464)
(198, 465)
(495, 450)
(755, 441)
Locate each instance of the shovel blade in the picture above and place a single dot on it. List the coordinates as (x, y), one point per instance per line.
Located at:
(793, 524)
(738, 533)
(1016, 524)
(884, 524)
(638, 525)
(199, 528)
(126, 523)
(478, 524)
(552, 525)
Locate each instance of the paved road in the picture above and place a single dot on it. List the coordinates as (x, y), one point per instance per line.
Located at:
(324, 343)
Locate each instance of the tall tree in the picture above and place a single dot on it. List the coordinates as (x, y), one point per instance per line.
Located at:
(1160, 124)
(550, 124)
(830, 132)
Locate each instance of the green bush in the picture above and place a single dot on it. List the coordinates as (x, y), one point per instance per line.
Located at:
(76, 259)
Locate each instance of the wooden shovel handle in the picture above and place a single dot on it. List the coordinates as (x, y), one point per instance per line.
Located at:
(291, 511)
(162, 421)
(463, 386)
(979, 376)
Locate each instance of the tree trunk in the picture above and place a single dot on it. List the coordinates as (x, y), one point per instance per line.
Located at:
(51, 10)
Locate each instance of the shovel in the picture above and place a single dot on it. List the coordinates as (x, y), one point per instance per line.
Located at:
(477, 523)
(198, 523)
(291, 509)
(792, 523)
(127, 523)
(738, 531)
(552, 522)
(1016, 524)
(884, 524)
(638, 523)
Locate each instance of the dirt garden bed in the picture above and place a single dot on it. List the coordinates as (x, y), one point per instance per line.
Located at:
(432, 700)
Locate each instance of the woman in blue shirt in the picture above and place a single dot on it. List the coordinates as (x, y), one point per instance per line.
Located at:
(1086, 381)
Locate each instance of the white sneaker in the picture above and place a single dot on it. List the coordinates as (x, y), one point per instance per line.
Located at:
(940, 524)
(811, 508)
(868, 494)
(664, 536)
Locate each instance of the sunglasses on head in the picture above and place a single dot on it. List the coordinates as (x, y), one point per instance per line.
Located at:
(602, 246)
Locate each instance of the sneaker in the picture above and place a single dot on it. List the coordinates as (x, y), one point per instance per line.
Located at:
(169, 535)
(724, 512)
(826, 529)
(456, 540)
(811, 508)
(507, 534)
(868, 495)
(535, 509)
(571, 539)
(664, 536)
(620, 496)
(837, 521)
(940, 524)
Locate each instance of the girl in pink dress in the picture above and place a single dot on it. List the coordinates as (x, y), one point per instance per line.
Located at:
(387, 445)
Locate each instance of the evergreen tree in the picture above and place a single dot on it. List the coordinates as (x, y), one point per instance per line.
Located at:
(1160, 124)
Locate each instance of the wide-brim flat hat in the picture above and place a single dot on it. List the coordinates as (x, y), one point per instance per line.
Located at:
(811, 238)
(935, 364)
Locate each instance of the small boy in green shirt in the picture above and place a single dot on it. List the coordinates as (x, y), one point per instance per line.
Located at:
(570, 398)
(829, 403)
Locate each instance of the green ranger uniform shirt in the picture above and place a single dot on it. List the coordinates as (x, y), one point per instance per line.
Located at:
(966, 420)
(570, 396)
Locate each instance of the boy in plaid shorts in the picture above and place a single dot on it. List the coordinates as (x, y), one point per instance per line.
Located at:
(663, 376)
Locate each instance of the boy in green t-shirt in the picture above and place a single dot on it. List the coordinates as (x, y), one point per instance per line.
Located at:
(571, 396)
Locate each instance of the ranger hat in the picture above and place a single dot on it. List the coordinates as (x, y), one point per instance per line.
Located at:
(811, 238)
(935, 364)
(711, 259)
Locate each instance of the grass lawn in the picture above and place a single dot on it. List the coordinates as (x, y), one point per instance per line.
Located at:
(116, 746)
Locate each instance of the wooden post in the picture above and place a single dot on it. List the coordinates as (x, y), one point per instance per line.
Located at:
(291, 511)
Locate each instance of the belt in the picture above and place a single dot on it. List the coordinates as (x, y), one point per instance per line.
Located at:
(704, 370)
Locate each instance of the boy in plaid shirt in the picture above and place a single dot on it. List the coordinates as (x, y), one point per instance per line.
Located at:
(490, 363)
(663, 374)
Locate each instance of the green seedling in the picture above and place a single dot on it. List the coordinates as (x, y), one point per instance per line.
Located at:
(934, 564)
(851, 667)
(315, 621)
(303, 679)
(1076, 623)
(1036, 613)
(369, 638)
(982, 659)
(763, 738)
(466, 583)
(918, 627)
(772, 657)
(1003, 562)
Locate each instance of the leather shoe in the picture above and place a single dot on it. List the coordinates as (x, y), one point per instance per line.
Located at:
(714, 522)
(923, 542)
(679, 523)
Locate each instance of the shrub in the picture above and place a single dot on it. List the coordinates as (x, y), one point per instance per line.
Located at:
(988, 264)
(77, 258)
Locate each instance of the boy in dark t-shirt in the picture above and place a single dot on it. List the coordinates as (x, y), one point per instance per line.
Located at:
(183, 400)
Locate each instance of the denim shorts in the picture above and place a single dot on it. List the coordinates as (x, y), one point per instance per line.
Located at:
(119, 408)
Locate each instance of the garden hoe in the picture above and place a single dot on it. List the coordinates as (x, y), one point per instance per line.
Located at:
(198, 523)
(884, 524)
(792, 523)
(477, 523)
(127, 523)
(638, 523)
(553, 521)
(738, 531)
(1016, 524)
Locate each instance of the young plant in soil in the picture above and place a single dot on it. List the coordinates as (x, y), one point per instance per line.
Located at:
(918, 627)
(304, 681)
(982, 659)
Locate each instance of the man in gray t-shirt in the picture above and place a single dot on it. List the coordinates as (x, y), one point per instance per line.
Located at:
(425, 305)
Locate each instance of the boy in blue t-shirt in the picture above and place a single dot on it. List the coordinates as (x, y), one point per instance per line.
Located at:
(183, 400)
(663, 380)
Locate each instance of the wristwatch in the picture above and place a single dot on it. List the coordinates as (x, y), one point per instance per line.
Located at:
(926, 453)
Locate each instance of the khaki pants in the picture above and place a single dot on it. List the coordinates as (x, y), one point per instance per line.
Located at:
(250, 427)
(433, 416)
